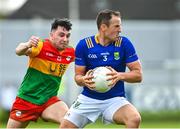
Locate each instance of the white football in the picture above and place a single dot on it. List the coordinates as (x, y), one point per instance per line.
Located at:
(100, 79)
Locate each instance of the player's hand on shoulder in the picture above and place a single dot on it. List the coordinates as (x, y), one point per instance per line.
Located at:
(87, 79)
(33, 41)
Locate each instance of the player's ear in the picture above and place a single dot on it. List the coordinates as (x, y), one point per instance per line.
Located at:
(51, 33)
(103, 27)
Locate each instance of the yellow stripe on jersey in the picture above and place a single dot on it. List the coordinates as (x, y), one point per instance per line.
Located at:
(48, 67)
(118, 42)
(89, 42)
(96, 38)
(36, 50)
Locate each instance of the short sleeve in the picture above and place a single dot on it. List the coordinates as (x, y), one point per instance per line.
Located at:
(80, 53)
(130, 52)
(36, 50)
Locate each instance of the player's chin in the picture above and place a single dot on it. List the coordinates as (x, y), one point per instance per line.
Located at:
(115, 38)
(64, 46)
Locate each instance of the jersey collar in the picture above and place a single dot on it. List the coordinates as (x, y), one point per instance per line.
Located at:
(96, 38)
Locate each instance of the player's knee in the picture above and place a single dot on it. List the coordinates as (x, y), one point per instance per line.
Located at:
(63, 124)
(67, 124)
(134, 121)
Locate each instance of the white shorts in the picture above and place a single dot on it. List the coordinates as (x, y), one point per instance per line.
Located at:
(86, 110)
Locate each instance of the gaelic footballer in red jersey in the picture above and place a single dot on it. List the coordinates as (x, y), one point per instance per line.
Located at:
(48, 60)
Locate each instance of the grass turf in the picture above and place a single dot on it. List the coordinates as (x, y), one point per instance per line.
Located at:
(98, 124)
(163, 119)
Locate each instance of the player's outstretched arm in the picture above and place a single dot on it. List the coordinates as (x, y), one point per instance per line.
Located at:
(25, 48)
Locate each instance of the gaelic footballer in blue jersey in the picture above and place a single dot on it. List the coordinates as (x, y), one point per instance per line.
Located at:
(107, 48)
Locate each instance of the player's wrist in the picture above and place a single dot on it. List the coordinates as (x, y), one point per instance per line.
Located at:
(28, 45)
(121, 76)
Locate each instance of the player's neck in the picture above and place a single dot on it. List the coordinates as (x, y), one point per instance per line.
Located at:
(103, 40)
(54, 45)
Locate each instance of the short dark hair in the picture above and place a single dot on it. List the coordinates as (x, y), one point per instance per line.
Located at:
(61, 22)
(105, 16)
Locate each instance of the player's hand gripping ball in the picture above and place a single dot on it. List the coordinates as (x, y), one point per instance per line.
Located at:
(100, 79)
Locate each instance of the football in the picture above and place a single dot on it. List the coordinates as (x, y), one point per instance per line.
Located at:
(100, 79)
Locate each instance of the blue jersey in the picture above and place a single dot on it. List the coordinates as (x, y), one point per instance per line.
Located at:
(91, 54)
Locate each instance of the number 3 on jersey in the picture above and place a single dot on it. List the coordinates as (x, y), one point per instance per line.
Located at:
(104, 57)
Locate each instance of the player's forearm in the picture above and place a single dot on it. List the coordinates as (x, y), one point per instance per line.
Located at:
(23, 48)
(131, 77)
(79, 80)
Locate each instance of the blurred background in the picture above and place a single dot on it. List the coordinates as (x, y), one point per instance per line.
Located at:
(152, 25)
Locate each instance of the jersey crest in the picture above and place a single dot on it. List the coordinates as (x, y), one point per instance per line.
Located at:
(116, 55)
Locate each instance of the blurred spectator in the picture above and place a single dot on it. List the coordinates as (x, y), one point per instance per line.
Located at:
(7, 96)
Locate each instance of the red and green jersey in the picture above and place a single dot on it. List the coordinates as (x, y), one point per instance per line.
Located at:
(45, 70)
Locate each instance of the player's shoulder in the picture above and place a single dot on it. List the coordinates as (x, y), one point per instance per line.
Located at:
(44, 41)
(87, 38)
(70, 48)
(87, 41)
(125, 40)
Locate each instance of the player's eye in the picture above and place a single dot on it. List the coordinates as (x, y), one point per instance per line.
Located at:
(68, 35)
(61, 34)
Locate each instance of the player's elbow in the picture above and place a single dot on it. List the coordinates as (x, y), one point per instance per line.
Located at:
(21, 49)
(18, 52)
(139, 77)
(79, 80)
